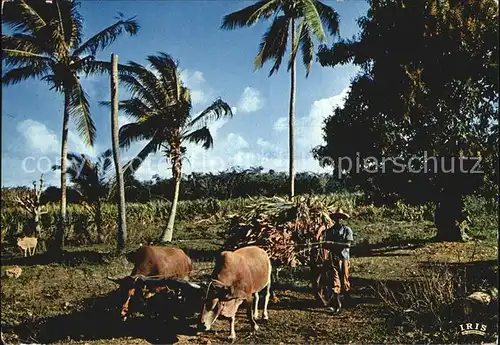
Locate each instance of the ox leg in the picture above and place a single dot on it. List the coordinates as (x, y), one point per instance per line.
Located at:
(265, 315)
(250, 314)
(232, 336)
(256, 305)
(124, 311)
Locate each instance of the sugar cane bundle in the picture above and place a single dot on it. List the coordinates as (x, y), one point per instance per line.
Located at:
(281, 227)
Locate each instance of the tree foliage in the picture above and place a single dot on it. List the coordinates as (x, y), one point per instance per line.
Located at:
(428, 85)
(47, 43)
(90, 179)
(160, 106)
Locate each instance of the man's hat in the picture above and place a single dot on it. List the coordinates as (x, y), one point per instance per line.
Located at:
(340, 213)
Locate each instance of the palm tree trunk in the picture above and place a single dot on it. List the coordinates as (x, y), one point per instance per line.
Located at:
(98, 220)
(59, 238)
(122, 224)
(291, 125)
(167, 234)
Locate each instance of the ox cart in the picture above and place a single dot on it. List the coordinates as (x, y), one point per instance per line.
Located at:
(293, 233)
(323, 269)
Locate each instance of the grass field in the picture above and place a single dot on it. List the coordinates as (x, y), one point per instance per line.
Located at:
(71, 301)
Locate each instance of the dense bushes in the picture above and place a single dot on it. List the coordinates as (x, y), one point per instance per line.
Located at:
(145, 220)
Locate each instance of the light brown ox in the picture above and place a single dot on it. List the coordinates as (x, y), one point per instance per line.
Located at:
(238, 276)
(165, 262)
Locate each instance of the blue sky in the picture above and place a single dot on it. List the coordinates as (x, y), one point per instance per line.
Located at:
(215, 63)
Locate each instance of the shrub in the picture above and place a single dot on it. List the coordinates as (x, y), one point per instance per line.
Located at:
(144, 220)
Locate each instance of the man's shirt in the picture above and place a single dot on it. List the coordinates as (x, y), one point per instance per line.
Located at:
(343, 234)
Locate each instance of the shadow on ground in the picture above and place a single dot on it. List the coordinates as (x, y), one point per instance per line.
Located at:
(384, 248)
(99, 319)
(73, 258)
(70, 258)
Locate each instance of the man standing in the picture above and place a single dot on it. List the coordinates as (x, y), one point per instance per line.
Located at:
(342, 235)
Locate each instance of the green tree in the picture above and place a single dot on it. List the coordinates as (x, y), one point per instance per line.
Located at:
(428, 84)
(47, 44)
(161, 106)
(92, 181)
(310, 15)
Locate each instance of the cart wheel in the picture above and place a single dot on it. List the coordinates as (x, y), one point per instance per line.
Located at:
(322, 276)
(323, 286)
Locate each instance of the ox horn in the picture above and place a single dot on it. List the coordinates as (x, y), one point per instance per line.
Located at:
(115, 280)
(194, 285)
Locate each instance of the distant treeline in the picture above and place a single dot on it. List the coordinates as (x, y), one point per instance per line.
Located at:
(379, 189)
(232, 183)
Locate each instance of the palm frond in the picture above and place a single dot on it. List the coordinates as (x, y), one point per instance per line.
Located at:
(167, 68)
(27, 43)
(201, 135)
(133, 107)
(131, 167)
(215, 111)
(137, 89)
(32, 20)
(313, 19)
(89, 178)
(133, 132)
(295, 43)
(150, 82)
(104, 162)
(20, 58)
(16, 75)
(94, 67)
(250, 15)
(74, 24)
(104, 38)
(329, 17)
(306, 48)
(80, 112)
(273, 44)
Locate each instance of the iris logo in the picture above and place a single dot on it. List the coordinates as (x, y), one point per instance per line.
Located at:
(473, 328)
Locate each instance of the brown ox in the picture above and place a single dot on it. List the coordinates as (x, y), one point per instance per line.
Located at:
(238, 276)
(166, 262)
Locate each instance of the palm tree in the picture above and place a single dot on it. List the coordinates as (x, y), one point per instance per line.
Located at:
(46, 44)
(91, 180)
(161, 106)
(311, 15)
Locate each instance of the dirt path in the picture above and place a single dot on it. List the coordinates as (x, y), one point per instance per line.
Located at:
(75, 304)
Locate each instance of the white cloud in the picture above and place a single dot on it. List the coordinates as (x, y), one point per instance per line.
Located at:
(38, 137)
(197, 97)
(311, 133)
(234, 150)
(192, 79)
(231, 149)
(281, 124)
(236, 142)
(269, 149)
(250, 100)
(41, 140)
(195, 81)
(234, 110)
(309, 129)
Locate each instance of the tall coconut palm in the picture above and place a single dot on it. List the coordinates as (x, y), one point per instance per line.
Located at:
(91, 180)
(161, 106)
(47, 44)
(311, 15)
